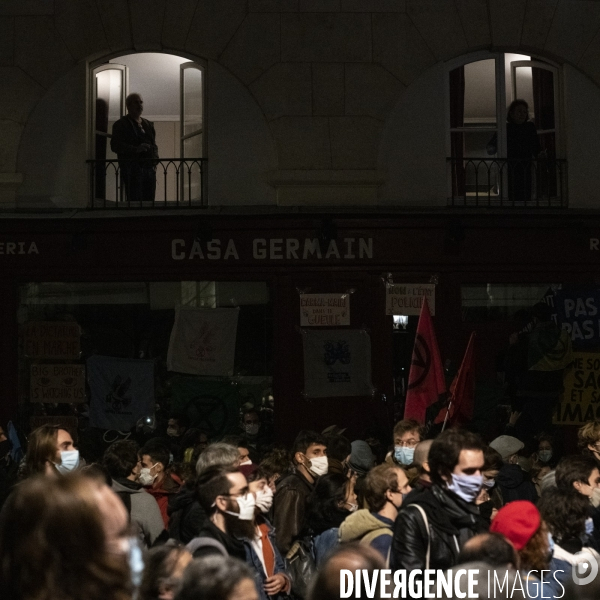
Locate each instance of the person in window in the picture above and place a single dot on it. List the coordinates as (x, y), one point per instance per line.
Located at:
(134, 142)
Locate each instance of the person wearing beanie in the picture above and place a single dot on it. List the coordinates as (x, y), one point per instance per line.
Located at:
(361, 462)
(514, 483)
(521, 524)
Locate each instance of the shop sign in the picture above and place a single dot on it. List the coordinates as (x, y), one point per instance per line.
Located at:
(324, 310)
(57, 383)
(15, 247)
(407, 298)
(51, 340)
(273, 249)
(581, 399)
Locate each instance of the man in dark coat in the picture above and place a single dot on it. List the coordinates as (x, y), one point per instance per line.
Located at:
(134, 142)
(434, 522)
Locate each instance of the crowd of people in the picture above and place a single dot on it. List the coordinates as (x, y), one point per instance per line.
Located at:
(187, 518)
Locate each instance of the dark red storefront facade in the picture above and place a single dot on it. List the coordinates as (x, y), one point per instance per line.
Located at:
(356, 254)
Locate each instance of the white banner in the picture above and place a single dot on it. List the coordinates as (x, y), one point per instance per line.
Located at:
(407, 298)
(203, 341)
(121, 391)
(337, 363)
(324, 310)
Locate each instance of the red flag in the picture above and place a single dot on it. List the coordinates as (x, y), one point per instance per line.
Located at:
(462, 390)
(426, 378)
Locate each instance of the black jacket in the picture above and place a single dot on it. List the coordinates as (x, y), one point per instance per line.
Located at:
(515, 484)
(452, 521)
(234, 547)
(289, 507)
(127, 136)
(186, 516)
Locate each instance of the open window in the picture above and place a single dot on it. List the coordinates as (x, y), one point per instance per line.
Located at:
(480, 94)
(173, 91)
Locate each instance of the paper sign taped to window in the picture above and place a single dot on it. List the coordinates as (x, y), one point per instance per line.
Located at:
(407, 298)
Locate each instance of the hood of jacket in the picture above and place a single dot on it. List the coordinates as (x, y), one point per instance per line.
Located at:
(359, 524)
(126, 486)
(181, 500)
(510, 476)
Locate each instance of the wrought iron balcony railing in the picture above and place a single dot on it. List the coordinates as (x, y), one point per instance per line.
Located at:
(500, 182)
(148, 183)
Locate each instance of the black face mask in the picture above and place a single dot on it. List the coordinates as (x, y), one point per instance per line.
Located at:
(485, 510)
(5, 448)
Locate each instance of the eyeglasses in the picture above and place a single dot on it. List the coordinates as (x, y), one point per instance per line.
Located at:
(408, 444)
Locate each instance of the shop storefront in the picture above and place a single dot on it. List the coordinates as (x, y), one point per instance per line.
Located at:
(72, 289)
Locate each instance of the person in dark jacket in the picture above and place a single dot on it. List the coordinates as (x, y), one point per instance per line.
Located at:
(134, 142)
(434, 522)
(514, 483)
(289, 504)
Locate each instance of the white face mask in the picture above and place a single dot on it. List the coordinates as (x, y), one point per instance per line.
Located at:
(251, 428)
(264, 499)
(69, 461)
(319, 466)
(146, 478)
(246, 462)
(247, 504)
(352, 507)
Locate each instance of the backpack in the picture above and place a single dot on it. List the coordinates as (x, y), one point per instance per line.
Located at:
(301, 566)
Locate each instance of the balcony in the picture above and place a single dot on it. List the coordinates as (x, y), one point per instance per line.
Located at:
(503, 183)
(147, 183)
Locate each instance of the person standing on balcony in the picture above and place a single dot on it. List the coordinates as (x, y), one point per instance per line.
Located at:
(522, 147)
(134, 142)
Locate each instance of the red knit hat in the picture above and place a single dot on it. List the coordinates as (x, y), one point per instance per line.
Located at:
(517, 521)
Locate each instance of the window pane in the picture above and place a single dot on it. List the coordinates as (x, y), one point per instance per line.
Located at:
(473, 94)
(500, 301)
(192, 100)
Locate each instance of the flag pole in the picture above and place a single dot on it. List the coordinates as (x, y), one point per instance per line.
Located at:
(447, 413)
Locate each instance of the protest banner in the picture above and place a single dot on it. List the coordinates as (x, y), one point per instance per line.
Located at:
(337, 363)
(51, 340)
(57, 383)
(324, 310)
(407, 298)
(581, 399)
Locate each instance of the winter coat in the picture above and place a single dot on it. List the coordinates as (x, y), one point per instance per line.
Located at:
(145, 514)
(235, 548)
(452, 521)
(169, 486)
(289, 507)
(515, 484)
(370, 529)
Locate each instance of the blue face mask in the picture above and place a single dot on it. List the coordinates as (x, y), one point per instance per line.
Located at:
(550, 543)
(488, 484)
(589, 526)
(69, 461)
(466, 486)
(545, 455)
(403, 455)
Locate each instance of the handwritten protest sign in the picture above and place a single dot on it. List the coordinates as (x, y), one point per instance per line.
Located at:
(51, 340)
(324, 310)
(57, 383)
(407, 298)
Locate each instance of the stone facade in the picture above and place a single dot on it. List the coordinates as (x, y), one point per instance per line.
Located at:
(325, 73)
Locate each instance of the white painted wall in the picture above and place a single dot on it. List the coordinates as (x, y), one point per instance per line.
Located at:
(413, 144)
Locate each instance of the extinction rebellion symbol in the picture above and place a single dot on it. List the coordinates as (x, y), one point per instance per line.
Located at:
(421, 362)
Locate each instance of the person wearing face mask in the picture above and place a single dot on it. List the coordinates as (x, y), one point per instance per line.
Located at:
(123, 464)
(386, 487)
(157, 478)
(223, 494)
(407, 434)
(50, 450)
(309, 457)
(261, 550)
(256, 435)
(513, 482)
(490, 499)
(545, 455)
(434, 522)
(588, 440)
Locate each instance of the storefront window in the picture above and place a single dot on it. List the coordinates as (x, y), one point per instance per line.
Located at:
(197, 349)
(500, 301)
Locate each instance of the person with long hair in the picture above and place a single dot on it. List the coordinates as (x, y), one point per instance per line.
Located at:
(50, 450)
(64, 538)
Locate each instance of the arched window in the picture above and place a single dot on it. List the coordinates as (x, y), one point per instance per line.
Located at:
(173, 90)
(494, 162)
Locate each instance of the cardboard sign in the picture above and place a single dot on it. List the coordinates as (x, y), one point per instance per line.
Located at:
(57, 383)
(407, 298)
(324, 310)
(581, 399)
(52, 340)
